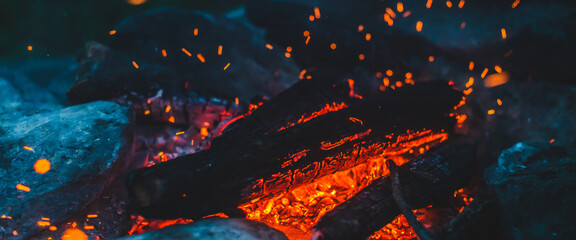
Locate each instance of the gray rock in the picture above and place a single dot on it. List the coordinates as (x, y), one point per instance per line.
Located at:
(86, 145)
(214, 229)
(535, 187)
(18, 92)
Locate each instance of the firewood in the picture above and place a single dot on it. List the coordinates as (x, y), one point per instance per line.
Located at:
(246, 167)
(431, 177)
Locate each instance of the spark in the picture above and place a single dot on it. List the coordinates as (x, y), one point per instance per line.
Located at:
(112, 32)
(515, 3)
(400, 7)
(406, 14)
(171, 119)
(186, 52)
(204, 132)
(552, 140)
(168, 108)
(461, 4)
(195, 31)
(471, 65)
(135, 64)
(468, 91)
(470, 82)
(200, 57)
(92, 215)
(136, 2)
(146, 112)
(484, 73)
(496, 79)
(88, 227)
(388, 19)
(53, 228)
(22, 187)
(419, 26)
(491, 111)
(74, 234)
(462, 25)
(288, 49)
(431, 59)
(14, 232)
(398, 84)
(361, 57)
(226, 67)
(307, 40)
(391, 12)
(449, 4)
(503, 31)
(28, 148)
(287, 55)
(498, 69)
(302, 73)
(317, 12)
(311, 18)
(220, 50)
(42, 166)
(356, 120)
(360, 28)
(499, 102)
(29, 48)
(408, 75)
(333, 46)
(389, 73)
(306, 33)
(236, 101)
(368, 36)
(43, 223)
(386, 82)
(269, 46)
(429, 4)
(164, 54)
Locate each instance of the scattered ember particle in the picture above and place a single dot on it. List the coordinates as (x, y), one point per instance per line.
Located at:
(419, 26)
(461, 4)
(136, 2)
(431, 59)
(43, 223)
(398, 84)
(168, 108)
(186, 52)
(135, 64)
(204, 132)
(88, 227)
(391, 12)
(53, 228)
(449, 4)
(408, 75)
(42, 166)
(491, 111)
(462, 25)
(171, 119)
(28, 148)
(29, 48)
(400, 7)
(200, 57)
(360, 28)
(195, 31)
(288, 49)
(368, 36)
(112, 32)
(361, 57)
(461, 118)
(499, 102)
(269, 46)
(386, 82)
(468, 91)
(484, 73)
(515, 3)
(164, 54)
(352, 93)
(74, 234)
(429, 4)
(146, 112)
(552, 140)
(317, 12)
(236, 101)
(22, 187)
(307, 40)
(507, 54)
(96, 215)
(311, 18)
(470, 82)
(302, 73)
(406, 14)
(389, 73)
(498, 69)
(333, 46)
(227, 65)
(306, 33)
(471, 65)
(353, 119)
(503, 33)
(220, 50)
(287, 55)
(496, 79)
(388, 19)
(220, 215)
(14, 233)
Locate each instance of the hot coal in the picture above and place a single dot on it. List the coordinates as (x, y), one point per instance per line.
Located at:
(54, 163)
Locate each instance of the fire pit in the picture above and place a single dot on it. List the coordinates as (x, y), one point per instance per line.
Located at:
(289, 119)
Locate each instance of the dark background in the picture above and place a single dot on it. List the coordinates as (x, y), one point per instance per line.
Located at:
(61, 27)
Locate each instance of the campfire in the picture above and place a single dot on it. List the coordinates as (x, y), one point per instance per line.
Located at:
(289, 119)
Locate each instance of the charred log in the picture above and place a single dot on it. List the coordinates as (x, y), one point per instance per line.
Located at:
(254, 166)
(431, 177)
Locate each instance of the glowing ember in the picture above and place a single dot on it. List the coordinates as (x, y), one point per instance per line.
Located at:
(22, 187)
(112, 32)
(74, 234)
(503, 31)
(496, 79)
(28, 148)
(42, 166)
(135, 64)
(200, 57)
(326, 109)
(419, 26)
(303, 206)
(428, 3)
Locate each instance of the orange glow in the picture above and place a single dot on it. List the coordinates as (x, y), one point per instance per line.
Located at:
(406, 14)
(42, 166)
(112, 32)
(53, 228)
(288, 49)
(368, 36)
(503, 31)
(311, 18)
(515, 3)
(431, 59)
(462, 25)
(92, 215)
(186, 52)
(220, 215)
(219, 49)
(168, 108)
(195, 31)
(329, 145)
(386, 82)
(200, 57)
(400, 7)
(353, 119)
(496, 79)
(449, 4)
(29, 48)
(74, 234)
(499, 102)
(419, 26)
(398, 84)
(429, 4)
(306, 33)
(333, 46)
(389, 73)
(88, 227)
(408, 75)
(388, 20)
(307, 40)
(269, 46)
(164, 54)
(301, 207)
(302, 73)
(352, 93)
(171, 119)
(498, 69)
(28, 148)
(204, 132)
(43, 223)
(146, 112)
(361, 56)
(552, 140)
(461, 4)
(391, 12)
(491, 111)
(236, 101)
(360, 28)
(333, 107)
(22, 187)
(470, 82)
(467, 91)
(136, 2)
(461, 118)
(14, 232)
(484, 73)
(287, 55)
(227, 65)
(317, 12)
(471, 65)
(135, 64)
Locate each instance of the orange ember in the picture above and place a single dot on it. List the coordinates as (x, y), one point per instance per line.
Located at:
(326, 109)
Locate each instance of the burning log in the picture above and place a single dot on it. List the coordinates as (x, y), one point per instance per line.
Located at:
(429, 178)
(247, 168)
